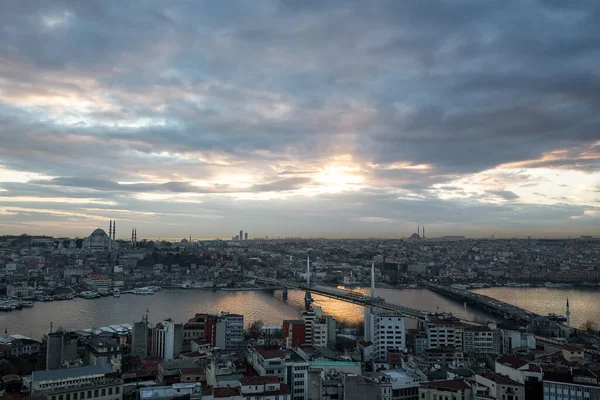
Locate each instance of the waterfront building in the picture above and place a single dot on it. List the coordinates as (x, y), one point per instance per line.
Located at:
(167, 339)
(294, 333)
(98, 283)
(89, 382)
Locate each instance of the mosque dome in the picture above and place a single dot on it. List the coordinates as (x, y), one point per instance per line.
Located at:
(99, 232)
(184, 241)
(98, 240)
(415, 236)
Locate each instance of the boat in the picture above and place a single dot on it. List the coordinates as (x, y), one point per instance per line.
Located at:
(116, 293)
(89, 295)
(143, 291)
(27, 304)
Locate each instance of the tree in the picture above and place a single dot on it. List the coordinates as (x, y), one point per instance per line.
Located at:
(255, 328)
(589, 326)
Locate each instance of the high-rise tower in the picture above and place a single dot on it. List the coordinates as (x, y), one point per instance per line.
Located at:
(568, 313)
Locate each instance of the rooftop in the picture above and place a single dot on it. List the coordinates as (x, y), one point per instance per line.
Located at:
(259, 380)
(454, 384)
(67, 373)
(511, 361)
(268, 352)
(499, 379)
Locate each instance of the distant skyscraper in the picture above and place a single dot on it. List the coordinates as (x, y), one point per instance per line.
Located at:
(241, 235)
(246, 236)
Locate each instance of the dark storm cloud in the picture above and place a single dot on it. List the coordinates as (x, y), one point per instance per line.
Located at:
(100, 92)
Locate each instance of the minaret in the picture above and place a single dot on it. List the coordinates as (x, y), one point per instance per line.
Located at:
(114, 230)
(132, 240)
(110, 228)
(373, 279)
(135, 236)
(423, 232)
(568, 314)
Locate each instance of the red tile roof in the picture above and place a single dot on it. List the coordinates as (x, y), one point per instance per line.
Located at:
(511, 361)
(268, 352)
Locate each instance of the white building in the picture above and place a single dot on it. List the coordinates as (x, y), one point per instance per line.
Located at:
(309, 316)
(480, 340)
(498, 387)
(517, 369)
(444, 332)
(324, 332)
(512, 341)
(167, 339)
(386, 330)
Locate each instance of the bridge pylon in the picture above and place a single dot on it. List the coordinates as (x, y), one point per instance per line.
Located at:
(284, 293)
(307, 300)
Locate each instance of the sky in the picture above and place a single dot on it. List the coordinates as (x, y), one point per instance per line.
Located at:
(309, 118)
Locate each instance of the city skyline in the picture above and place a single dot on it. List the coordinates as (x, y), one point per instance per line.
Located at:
(300, 119)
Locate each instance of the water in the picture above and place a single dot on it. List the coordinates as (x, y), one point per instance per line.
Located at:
(272, 310)
(181, 305)
(583, 302)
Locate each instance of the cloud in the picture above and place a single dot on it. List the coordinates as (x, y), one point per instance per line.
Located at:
(504, 194)
(203, 102)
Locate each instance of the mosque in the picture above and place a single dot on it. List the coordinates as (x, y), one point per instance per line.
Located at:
(417, 235)
(100, 241)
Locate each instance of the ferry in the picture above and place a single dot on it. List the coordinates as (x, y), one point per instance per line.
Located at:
(143, 291)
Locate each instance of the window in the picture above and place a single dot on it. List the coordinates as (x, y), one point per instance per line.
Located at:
(96, 393)
(109, 391)
(117, 390)
(89, 396)
(103, 393)
(68, 396)
(60, 397)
